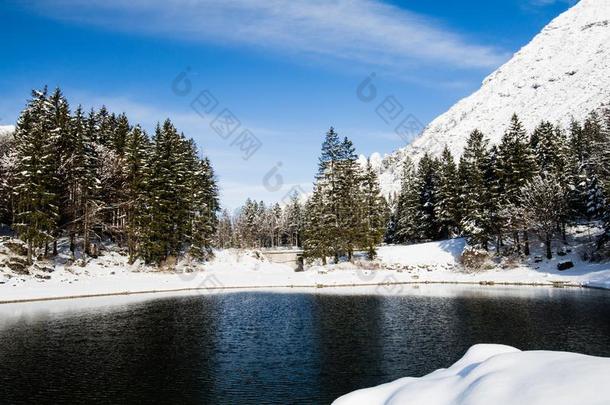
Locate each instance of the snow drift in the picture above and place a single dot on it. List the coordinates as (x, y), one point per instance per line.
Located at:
(562, 73)
(497, 374)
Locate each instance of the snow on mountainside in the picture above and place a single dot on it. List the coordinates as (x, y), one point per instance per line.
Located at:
(6, 130)
(562, 73)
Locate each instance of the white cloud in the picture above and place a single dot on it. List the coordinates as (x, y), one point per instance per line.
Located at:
(364, 31)
(542, 3)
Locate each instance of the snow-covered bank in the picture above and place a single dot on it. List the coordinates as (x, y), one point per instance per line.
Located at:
(397, 266)
(497, 374)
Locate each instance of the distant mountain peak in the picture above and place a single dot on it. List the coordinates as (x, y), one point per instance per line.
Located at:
(563, 73)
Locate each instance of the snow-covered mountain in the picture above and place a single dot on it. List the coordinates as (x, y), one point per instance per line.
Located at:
(563, 72)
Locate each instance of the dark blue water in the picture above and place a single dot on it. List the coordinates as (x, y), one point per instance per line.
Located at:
(261, 348)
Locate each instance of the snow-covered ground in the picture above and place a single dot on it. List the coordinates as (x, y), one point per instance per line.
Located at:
(497, 374)
(397, 266)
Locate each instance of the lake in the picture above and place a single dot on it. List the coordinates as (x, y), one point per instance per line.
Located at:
(275, 348)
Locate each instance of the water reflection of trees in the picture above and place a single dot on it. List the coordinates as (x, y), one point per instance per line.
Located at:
(348, 342)
(151, 352)
(563, 322)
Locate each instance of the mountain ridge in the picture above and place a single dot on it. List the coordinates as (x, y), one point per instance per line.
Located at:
(560, 75)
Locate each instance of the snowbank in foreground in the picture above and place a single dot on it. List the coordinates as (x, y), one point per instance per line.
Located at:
(497, 374)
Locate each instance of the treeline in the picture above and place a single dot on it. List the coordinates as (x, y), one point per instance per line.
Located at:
(345, 213)
(94, 176)
(536, 183)
(530, 185)
(256, 225)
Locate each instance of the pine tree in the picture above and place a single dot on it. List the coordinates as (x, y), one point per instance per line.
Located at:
(168, 195)
(327, 185)
(428, 179)
(516, 166)
(120, 134)
(474, 192)
(8, 164)
(582, 144)
(137, 149)
(407, 208)
(247, 224)
(549, 146)
(294, 220)
(494, 201)
(374, 211)
(350, 213)
(37, 210)
(105, 127)
(225, 237)
(337, 204)
(602, 164)
(62, 148)
(316, 233)
(446, 208)
(82, 182)
(516, 160)
(205, 208)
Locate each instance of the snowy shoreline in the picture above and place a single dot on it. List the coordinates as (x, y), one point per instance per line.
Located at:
(234, 271)
(295, 289)
(396, 268)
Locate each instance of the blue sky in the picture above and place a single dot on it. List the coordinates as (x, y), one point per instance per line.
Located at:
(287, 70)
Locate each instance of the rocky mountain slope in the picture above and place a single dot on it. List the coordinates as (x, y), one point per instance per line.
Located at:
(563, 72)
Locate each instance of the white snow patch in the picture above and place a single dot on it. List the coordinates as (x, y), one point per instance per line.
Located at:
(6, 129)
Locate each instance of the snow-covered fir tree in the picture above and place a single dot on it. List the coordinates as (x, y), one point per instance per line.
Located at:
(294, 221)
(337, 222)
(429, 184)
(407, 207)
(375, 212)
(81, 182)
(316, 233)
(516, 166)
(136, 158)
(95, 177)
(36, 209)
(474, 190)
(446, 208)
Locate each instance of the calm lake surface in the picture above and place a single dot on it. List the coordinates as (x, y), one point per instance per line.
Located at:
(263, 348)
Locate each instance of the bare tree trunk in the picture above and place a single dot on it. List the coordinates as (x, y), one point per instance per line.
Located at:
(72, 244)
(86, 225)
(526, 243)
(30, 249)
(549, 253)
